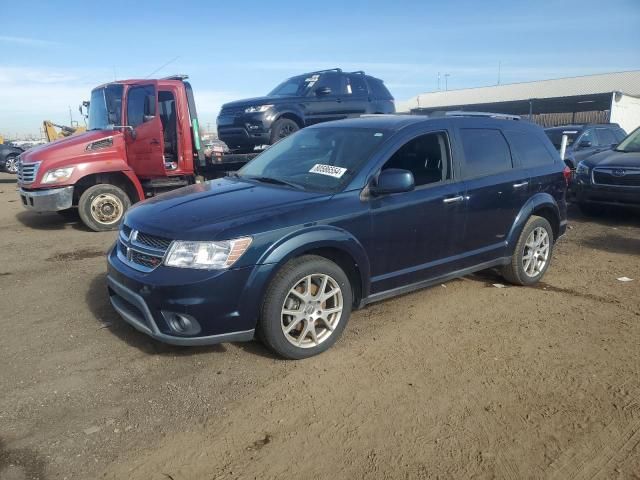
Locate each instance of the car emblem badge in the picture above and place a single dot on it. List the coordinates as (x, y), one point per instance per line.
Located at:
(619, 172)
(133, 236)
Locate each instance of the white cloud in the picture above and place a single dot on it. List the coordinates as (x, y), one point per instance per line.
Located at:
(28, 42)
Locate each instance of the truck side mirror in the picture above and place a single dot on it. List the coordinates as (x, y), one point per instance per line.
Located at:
(585, 144)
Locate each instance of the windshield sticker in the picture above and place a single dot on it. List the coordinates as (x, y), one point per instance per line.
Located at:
(312, 78)
(569, 131)
(329, 170)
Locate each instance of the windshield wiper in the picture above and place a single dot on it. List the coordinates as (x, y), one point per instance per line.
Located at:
(276, 181)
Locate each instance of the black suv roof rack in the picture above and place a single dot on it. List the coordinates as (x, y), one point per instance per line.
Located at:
(338, 70)
(462, 113)
(357, 72)
(175, 77)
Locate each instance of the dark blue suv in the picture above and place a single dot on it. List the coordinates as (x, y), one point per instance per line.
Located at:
(334, 217)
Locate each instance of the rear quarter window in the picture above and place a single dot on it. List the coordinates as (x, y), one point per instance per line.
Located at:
(378, 89)
(529, 149)
(485, 152)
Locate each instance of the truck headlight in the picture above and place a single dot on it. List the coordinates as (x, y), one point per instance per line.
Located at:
(582, 169)
(206, 255)
(258, 109)
(57, 175)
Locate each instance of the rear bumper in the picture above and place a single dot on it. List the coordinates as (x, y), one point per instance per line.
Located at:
(51, 200)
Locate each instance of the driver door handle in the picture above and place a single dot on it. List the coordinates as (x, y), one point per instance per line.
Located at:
(154, 142)
(457, 199)
(520, 185)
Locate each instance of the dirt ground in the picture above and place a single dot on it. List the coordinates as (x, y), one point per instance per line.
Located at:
(463, 380)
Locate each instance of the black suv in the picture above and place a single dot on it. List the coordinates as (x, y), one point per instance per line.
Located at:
(334, 217)
(585, 139)
(298, 102)
(611, 177)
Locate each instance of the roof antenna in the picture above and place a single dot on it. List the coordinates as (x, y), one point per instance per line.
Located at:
(162, 66)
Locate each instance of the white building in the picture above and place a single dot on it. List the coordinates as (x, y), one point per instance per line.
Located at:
(608, 97)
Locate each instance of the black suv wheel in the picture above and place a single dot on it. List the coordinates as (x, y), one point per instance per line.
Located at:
(282, 128)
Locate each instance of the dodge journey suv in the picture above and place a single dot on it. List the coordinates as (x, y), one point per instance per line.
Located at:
(300, 101)
(335, 217)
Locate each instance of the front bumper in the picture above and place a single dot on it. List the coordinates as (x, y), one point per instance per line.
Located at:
(249, 129)
(224, 304)
(51, 200)
(606, 194)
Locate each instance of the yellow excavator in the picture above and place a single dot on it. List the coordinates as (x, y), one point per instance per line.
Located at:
(53, 131)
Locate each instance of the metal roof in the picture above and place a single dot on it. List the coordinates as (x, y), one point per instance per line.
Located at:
(625, 82)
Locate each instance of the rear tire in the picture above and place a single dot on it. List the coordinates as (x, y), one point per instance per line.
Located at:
(282, 128)
(101, 207)
(532, 254)
(306, 308)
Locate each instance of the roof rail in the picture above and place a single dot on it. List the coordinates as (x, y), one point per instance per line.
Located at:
(338, 70)
(175, 77)
(462, 113)
(357, 72)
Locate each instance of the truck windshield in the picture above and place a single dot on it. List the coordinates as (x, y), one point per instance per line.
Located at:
(295, 86)
(631, 143)
(555, 135)
(321, 159)
(105, 108)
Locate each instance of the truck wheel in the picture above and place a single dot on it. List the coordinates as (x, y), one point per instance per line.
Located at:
(282, 128)
(532, 254)
(306, 307)
(101, 207)
(11, 163)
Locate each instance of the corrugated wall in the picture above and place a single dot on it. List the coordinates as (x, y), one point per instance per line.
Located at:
(555, 119)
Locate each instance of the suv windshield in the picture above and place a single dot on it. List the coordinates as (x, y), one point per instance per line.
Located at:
(555, 136)
(295, 86)
(320, 159)
(105, 107)
(631, 143)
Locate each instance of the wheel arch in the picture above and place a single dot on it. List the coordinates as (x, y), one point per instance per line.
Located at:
(541, 204)
(296, 117)
(332, 243)
(125, 180)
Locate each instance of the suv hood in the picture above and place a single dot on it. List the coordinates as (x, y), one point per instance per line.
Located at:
(611, 158)
(221, 209)
(251, 102)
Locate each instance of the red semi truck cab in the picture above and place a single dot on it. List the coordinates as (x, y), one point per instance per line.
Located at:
(142, 139)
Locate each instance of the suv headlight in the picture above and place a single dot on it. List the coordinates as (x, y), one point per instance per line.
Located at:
(258, 109)
(207, 255)
(57, 175)
(582, 169)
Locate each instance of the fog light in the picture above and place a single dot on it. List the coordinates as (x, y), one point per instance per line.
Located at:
(181, 323)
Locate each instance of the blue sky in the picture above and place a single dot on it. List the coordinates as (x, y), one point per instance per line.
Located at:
(53, 53)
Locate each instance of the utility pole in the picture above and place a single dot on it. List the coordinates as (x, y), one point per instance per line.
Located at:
(446, 81)
(438, 81)
(499, 67)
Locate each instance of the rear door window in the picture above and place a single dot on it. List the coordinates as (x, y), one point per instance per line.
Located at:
(378, 89)
(356, 86)
(334, 82)
(529, 149)
(605, 136)
(486, 152)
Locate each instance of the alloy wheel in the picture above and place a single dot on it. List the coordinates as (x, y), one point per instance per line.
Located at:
(311, 310)
(536, 252)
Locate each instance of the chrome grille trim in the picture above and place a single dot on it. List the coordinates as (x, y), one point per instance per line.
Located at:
(27, 172)
(141, 251)
(607, 176)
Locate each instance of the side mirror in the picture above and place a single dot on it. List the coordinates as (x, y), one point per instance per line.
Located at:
(323, 91)
(585, 144)
(393, 180)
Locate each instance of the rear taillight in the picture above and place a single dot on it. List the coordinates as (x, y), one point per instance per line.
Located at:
(567, 175)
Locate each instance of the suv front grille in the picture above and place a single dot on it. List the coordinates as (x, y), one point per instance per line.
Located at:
(27, 172)
(141, 251)
(232, 111)
(619, 177)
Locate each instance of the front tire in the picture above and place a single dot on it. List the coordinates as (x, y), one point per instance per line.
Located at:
(532, 254)
(11, 163)
(101, 207)
(306, 307)
(282, 128)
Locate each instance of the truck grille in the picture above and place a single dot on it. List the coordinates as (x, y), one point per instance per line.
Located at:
(141, 251)
(619, 177)
(27, 172)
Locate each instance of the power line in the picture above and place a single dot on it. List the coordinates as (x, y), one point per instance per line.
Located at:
(162, 66)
